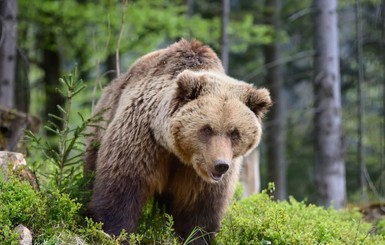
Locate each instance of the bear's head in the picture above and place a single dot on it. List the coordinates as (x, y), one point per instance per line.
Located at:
(215, 119)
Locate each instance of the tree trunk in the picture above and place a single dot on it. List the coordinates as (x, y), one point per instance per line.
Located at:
(330, 165)
(275, 130)
(360, 104)
(111, 67)
(382, 180)
(8, 12)
(190, 14)
(250, 176)
(224, 36)
(190, 8)
(23, 90)
(51, 68)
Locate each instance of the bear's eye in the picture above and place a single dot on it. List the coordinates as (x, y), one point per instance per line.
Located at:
(235, 135)
(206, 131)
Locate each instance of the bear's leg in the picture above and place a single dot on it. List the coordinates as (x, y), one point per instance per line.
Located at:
(127, 161)
(118, 203)
(205, 213)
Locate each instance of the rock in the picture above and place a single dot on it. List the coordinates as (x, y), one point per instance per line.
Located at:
(11, 158)
(15, 162)
(25, 237)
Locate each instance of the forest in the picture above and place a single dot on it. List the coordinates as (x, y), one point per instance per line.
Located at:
(322, 153)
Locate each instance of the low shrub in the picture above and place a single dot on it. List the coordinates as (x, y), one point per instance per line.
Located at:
(260, 220)
(55, 218)
(44, 214)
(52, 217)
(381, 226)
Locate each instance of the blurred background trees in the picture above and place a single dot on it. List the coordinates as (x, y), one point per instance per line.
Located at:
(269, 43)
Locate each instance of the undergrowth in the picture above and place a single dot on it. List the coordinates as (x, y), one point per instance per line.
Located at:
(260, 220)
(52, 217)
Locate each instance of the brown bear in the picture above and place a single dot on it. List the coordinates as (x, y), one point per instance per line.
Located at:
(176, 129)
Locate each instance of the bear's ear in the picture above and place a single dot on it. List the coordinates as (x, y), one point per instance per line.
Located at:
(258, 100)
(190, 86)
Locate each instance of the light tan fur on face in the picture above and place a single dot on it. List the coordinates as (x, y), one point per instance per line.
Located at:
(227, 113)
(219, 148)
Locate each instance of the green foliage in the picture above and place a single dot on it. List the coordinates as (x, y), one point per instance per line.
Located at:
(155, 227)
(43, 213)
(381, 227)
(62, 167)
(244, 32)
(88, 32)
(238, 192)
(260, 220)
(53, 217)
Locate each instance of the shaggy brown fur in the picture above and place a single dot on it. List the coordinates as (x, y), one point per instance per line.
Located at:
(176, 130)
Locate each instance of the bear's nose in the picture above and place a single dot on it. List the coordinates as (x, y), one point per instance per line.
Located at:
(221, 166)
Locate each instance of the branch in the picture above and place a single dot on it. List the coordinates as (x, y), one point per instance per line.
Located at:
(120, 36)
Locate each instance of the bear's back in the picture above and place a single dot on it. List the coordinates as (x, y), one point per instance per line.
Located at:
(174, 59)
(169, 62)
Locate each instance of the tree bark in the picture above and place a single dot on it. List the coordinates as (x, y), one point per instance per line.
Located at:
(23, 89)
(190, 8)
(360, 104)
(275, 130)
(111, 67)
(224, 36)
(382, 181)
(8, 12)
(51, 68)
(329, 165)
(189, 15)
(250, 176)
